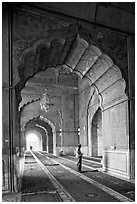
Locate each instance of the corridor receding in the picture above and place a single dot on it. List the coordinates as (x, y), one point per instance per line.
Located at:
(68, 78)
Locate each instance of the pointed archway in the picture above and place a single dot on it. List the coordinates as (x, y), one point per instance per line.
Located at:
(96, 134)
(94, 66)
(40, 126)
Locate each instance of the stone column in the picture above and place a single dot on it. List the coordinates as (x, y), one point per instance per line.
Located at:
(64, 120)
(6, 96)
(76, 119)
(10, 111)
(131, 102)
(22, 141)
(14, 136)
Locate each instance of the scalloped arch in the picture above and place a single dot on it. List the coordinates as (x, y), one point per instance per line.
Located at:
(88, 61)
(28, 103)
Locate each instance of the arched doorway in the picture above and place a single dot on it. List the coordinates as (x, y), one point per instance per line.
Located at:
(42, 133)
(96, 134)
(48, 137)
(33, 141)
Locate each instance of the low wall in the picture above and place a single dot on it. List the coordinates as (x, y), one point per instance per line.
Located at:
(85, 150)
(117, 162)
(66, 150)
(5, 173)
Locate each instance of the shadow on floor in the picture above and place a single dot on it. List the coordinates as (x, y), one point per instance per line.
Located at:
(89, 171)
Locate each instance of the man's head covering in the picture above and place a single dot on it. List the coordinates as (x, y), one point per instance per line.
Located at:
(79, 145)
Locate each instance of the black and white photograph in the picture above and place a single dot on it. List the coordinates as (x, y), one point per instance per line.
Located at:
(68, 101)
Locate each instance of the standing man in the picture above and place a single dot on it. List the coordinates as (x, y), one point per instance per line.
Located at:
(79, 157)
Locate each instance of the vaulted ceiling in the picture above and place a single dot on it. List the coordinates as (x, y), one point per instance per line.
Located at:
(41, 42)
(82, 59)
(49, 51)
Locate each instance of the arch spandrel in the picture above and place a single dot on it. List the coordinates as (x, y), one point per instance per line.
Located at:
(22, 47)
(30, 111)
(55, 50)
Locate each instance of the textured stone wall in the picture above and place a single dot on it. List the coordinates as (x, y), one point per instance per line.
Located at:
(105, 13)
(115, 127)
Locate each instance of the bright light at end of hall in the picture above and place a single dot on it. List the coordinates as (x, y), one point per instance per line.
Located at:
(32, 137)
(32, 140)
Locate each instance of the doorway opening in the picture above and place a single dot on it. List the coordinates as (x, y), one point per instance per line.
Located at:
(33, 141)
(96, 134)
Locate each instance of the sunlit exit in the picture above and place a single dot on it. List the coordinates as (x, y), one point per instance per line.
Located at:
(33, 141)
